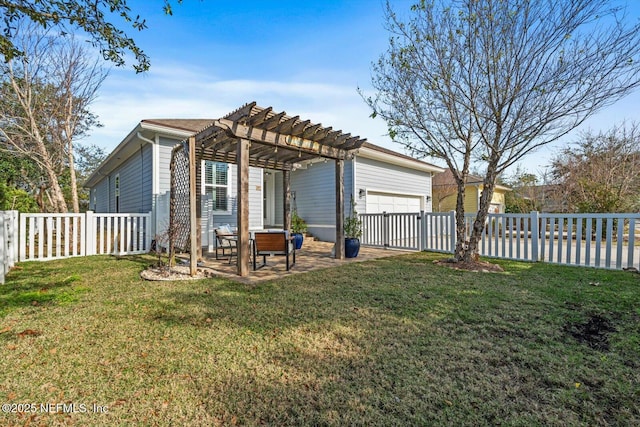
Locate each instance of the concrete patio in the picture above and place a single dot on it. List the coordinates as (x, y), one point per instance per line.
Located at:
(314, 255)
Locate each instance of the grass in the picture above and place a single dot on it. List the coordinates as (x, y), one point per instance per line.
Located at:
(398, 341)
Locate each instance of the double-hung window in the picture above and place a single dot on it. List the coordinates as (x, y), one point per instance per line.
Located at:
(117, 192)
(216, 184)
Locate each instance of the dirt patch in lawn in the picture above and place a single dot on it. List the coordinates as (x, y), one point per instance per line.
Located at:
(594, 332)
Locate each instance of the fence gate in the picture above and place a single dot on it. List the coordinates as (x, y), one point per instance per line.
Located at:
(393, 230)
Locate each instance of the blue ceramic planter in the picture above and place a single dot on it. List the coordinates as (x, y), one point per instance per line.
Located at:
(351, 247)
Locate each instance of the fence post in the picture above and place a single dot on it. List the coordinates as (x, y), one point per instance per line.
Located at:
(90, 233)
(453, 237)
(535, 236)
(12, 235)
(422, 233)
(147, 232)
(22, 239)
(385, 230)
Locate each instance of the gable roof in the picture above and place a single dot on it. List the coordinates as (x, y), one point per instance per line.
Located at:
(183, 128)
(189, 125)
(172, 128)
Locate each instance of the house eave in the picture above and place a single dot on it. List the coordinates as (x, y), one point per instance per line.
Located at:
(128, 146)
(388, 156)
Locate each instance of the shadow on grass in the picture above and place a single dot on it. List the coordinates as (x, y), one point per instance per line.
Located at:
(35, 283)
(390, 342)
(384, 288)
(409, 343)
(410, 288)
(40, 283)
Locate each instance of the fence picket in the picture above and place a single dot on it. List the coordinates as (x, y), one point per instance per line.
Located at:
(578, 240)
(620, 239)
(632, 241)
(588, 240)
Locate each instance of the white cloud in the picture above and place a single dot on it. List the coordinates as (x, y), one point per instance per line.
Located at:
(182, 92)
(178, 91)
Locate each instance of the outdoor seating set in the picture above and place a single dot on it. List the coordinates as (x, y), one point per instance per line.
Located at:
(262, 244)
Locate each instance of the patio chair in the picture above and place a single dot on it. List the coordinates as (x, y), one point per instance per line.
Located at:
(274, 243)
(226, 244)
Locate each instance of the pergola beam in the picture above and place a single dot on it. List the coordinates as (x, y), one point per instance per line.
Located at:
(272, 122)
(287, 125)
(310, 146)
(260, 117)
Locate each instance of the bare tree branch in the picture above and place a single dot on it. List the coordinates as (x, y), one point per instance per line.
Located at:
(489, 81)
(44, 107)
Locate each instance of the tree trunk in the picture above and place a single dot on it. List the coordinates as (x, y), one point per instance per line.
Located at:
(460, 250)
(57, 196)
(74, 185)
(479, 223)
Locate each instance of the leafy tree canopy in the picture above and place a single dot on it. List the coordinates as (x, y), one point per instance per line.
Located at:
(12, 198)
(95, 17)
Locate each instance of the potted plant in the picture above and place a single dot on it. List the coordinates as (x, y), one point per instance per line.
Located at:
(298, 227)
(352, 233)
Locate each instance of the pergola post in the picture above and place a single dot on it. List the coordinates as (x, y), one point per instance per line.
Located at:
(242, 156)
(193, 229)
(339, 209)
(286, 186)
(198, 206)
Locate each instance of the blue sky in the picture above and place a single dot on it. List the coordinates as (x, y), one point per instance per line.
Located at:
(305, 57)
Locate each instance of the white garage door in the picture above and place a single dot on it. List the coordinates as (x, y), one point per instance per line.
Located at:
(392, 203)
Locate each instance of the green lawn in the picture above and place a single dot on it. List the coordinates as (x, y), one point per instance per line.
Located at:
(398, 341)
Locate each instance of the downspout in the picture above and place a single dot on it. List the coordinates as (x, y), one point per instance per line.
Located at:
(153, 166)
(354, 190)
(142, 138)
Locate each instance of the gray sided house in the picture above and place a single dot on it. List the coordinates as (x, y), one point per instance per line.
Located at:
(135, 177)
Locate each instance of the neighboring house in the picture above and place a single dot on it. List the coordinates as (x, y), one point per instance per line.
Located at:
(445, 193)
(135, 177)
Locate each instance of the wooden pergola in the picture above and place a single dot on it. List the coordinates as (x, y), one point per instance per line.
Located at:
(259, 137)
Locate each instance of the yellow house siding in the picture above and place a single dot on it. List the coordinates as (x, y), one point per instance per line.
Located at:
(471, 199)
(471, 196)
(447, 204)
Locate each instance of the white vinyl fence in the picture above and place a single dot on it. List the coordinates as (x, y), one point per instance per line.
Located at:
(597, 240)
(46, 236)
